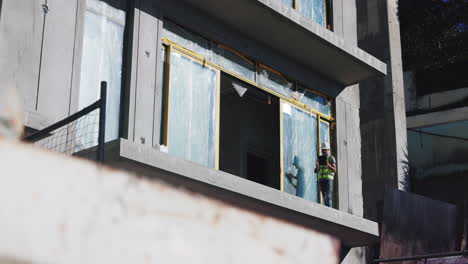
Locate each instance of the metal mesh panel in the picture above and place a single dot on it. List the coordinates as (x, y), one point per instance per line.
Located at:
(77, 137)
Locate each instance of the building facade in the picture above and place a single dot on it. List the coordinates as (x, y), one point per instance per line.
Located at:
(437, 143)
(231, 99)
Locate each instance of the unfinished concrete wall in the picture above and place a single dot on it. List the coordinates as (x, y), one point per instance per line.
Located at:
(436, 101)
(71, 211)
(382, 115)
(436, 153)
(40, 54)
(347, 121)
(348, 134)
(37, 53)
(145, 84)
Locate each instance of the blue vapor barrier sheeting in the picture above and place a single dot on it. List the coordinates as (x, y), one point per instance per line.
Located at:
(210, 50)
(192, 113)
(101, 60)
(187, 39)
(233, 62)
(299, 152)
(274, 81)
(324, 132)
(314, 101)
(289, 3)
(314, 10)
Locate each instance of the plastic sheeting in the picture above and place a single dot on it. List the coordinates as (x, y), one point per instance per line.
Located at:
(101, 60)
(314, 10)
(210, 50)
(187, 39)
(274, 81)
(314, 101)
(299, 152)
(192, 111)
(289, 3)
(233, 62)
(324, 132)
(230, 60)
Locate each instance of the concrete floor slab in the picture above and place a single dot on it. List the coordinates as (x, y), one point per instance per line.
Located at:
(351, 230)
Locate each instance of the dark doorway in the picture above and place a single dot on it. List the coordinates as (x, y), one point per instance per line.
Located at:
(249, 132)
(257, 168)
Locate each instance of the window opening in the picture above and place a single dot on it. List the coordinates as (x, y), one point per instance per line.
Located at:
(264, 77)
(249, 132)
(101, 59)
(299, 146)
(192, 103)
(250, 140)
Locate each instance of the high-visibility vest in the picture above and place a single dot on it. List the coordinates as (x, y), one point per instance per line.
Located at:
(324, 172)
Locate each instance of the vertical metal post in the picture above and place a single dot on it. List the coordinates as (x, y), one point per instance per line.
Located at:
(102, 122)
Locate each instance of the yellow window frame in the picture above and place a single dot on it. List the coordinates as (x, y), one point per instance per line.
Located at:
(204, 61)
(167, 86)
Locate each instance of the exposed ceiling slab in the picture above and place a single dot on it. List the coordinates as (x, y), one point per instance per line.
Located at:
(289, 32)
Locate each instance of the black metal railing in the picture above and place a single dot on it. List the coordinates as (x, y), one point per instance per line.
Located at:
(458, 257)
(81, 134)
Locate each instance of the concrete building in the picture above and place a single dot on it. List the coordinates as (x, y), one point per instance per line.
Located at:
(437, 142)
(228, 98)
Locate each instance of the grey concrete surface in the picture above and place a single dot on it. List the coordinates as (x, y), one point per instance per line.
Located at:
(21, 36)
(217, 30)
(57, 59)
(437, 118)
(305, 41)
(146, 78)
(382, 112)
(435, 101)
(352, 230)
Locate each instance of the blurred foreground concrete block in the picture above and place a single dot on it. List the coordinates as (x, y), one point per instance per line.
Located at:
(56, 209)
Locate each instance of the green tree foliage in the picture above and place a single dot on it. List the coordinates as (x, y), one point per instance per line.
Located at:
(434, 34)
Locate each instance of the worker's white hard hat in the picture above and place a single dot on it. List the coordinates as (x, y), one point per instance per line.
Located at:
(325, 145)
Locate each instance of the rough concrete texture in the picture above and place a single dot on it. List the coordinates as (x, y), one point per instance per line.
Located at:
(36, 53)
(437, 118)
(436, 101)
(349, 151)
(21, 35)
(382, 115)
(348, 130)
(350, 229)
(63, 210)
(304, 40)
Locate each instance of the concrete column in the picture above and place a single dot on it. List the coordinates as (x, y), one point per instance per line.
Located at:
(348, 130)
(347, 115)
(143, 85)
(383, 126)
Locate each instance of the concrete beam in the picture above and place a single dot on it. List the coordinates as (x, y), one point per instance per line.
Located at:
(437, 118)
(351, 230)
(290, 33)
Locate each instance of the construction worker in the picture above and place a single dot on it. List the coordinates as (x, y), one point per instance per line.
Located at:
(325, 167)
